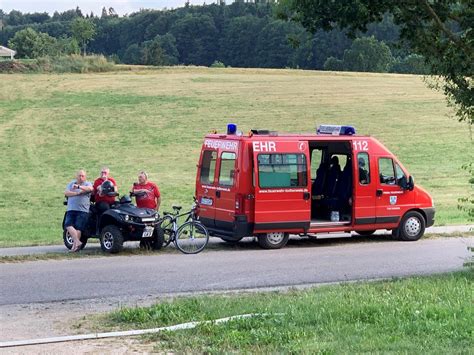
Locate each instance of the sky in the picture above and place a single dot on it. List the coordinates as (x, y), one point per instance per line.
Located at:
(121, 6)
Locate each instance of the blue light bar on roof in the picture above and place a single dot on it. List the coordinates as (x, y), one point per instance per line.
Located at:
(231, 128)
(336, 130)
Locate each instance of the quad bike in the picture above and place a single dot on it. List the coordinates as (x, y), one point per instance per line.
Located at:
(121, 223)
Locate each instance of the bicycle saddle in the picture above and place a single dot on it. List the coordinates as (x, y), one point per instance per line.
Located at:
(177, 208)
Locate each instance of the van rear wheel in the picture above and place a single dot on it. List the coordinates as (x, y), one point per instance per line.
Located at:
(274, 240)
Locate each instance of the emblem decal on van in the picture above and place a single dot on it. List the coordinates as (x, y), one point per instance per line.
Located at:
(302, 146)
(393, 200)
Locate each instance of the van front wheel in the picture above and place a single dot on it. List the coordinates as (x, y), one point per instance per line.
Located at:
(274, 240)
(412, 226)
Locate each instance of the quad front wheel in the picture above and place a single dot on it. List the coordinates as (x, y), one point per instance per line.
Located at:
(154, 243)
(192, 237)
(274, 240)
(111, 239)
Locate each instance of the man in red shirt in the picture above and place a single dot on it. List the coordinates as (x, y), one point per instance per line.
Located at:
(147, 193)
(102, 201)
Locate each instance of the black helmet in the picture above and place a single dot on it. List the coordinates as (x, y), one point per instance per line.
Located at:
(107, 187)
(125, 199)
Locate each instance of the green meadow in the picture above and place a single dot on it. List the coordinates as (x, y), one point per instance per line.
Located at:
(416, 315)
(51, 125)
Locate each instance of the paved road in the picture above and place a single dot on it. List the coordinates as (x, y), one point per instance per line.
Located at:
(61, 249)
(245, 266)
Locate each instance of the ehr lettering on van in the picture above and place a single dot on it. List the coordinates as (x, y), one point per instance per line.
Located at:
(264, 146)
(216, 144)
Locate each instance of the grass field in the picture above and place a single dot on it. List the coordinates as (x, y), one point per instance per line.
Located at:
(417, 315)
(50, 125)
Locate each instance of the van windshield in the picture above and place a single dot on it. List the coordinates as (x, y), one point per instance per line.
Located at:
(282, 170)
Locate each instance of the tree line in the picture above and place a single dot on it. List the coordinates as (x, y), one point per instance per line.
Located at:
(240, 34)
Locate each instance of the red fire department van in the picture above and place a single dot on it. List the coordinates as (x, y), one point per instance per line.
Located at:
(270, 185)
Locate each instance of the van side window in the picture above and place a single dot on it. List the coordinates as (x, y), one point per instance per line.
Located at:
(282, 170)
(399, 173)
(386, 172)
(364, 168)
(227, 171)
(208, 166)
(316, 160)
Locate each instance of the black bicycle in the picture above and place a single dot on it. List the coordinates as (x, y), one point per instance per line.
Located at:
(191, 237)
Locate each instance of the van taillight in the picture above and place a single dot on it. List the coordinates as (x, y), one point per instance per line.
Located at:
(239, 204)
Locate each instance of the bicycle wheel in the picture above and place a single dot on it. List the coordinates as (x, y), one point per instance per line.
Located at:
(167, 226)
(192, 237)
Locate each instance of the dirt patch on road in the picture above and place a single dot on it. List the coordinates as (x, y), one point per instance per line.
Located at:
(35, 321)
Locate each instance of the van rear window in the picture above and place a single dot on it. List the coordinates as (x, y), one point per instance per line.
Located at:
(227, 170)
(282, 170)
(208, 166)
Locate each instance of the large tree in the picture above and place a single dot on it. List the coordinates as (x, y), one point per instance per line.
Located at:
(440, 31)
(30, 44)
(83, 30)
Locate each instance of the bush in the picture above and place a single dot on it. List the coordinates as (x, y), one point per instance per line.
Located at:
(368, 55)
(65, 64)
(217, 64)
(411, 64)
(333, 64)
(80, 64)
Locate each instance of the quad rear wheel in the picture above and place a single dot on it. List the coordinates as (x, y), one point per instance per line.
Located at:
(68, 241)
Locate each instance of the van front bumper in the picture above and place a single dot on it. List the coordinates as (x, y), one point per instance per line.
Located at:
(429, 213)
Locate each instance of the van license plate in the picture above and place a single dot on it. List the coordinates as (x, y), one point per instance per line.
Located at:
(148, 232)
(206, 201)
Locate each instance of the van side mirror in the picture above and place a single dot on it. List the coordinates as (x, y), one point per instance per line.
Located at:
(406, 184)
(403, 182)
(411, 183)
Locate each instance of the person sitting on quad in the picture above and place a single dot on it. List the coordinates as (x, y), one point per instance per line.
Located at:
(78, 194)
(103, 186)
(147, 194)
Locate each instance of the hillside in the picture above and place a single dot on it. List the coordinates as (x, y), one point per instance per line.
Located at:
(50, 125)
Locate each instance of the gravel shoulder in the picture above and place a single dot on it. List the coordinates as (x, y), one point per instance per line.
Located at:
(44, 320)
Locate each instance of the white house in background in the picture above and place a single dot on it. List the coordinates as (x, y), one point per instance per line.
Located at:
(7, 52)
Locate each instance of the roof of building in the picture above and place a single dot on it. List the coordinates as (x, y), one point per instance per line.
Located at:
(6, 52)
